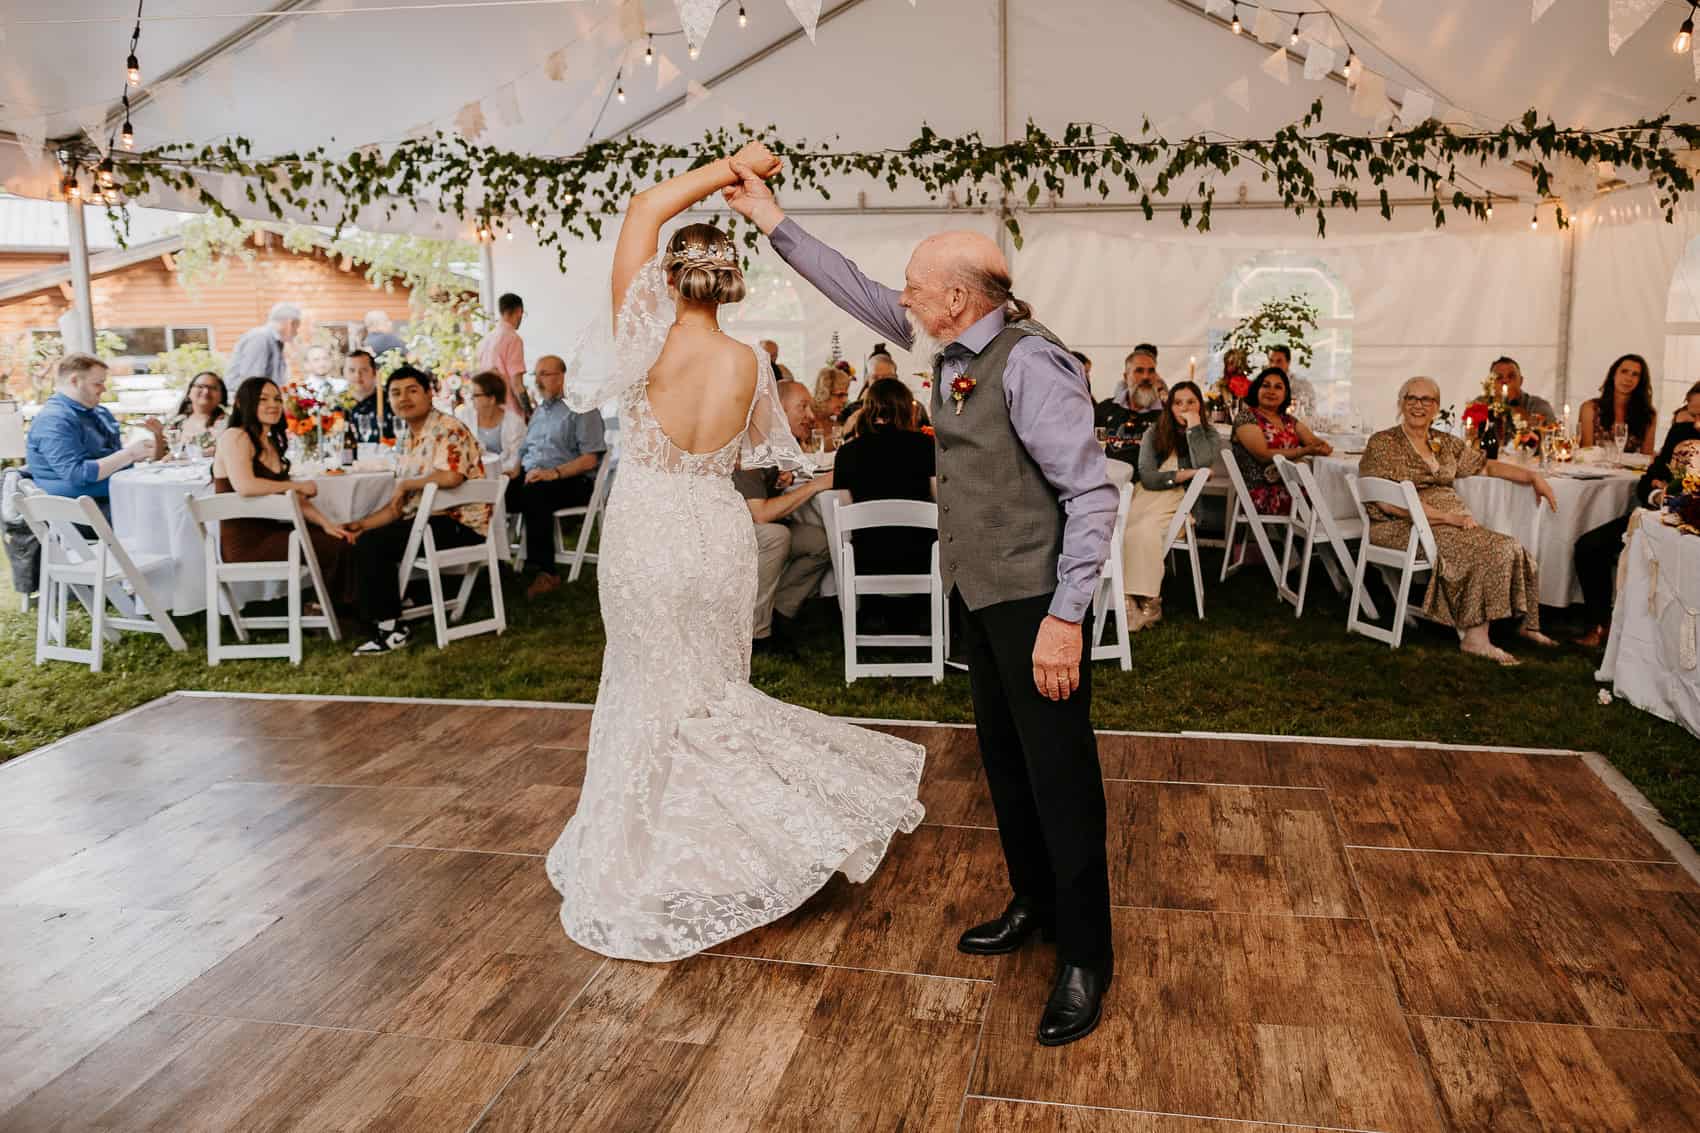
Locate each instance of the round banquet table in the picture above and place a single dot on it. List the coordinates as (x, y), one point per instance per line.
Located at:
(150, 512)
(1587, 497)
(1651, 658)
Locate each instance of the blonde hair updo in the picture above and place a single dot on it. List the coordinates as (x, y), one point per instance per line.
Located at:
(702, 264)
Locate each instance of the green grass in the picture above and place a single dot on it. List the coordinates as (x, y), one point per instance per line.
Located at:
(1251, 667)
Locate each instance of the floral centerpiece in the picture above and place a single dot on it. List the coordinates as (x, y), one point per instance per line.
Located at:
(1230, 389)
(310, 415)
(1682, 495)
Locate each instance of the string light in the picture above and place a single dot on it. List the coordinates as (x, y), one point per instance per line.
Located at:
(1535, 221)
(619, 88)
(693, 51)
(743, 17)
(649, 52)
(133, 70)
(127, 138)
(1293, 40)
(1490, 206)
(103, 172)
(68, 185)
(1236, 27)
(1685, 34)
(1351, 64)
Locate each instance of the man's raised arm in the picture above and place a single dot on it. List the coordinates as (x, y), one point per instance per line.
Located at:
(873, 304)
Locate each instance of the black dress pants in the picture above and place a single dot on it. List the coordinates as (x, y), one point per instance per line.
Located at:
(1596, 568)
(538, 503)
(377, 563)
(1041, 761)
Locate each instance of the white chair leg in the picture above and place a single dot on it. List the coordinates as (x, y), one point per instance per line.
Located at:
(938, 627)
(1304, 574)
(1400, 607)
(496, 601)
(582, 547)
(44, 603)
(848, 618)
(294, 599)
(439, 614)
(97, 647)
(1197, 572)
(1228, 536)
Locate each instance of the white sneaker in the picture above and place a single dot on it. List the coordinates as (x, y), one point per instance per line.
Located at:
(397, 638)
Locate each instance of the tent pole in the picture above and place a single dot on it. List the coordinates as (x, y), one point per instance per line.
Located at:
(82, 324)
(487, 281)
(1566, 305)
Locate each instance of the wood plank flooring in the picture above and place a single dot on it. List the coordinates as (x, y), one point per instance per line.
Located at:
(298, 915)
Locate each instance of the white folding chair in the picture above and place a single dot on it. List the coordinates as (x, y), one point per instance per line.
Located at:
(853, 587)
(1311, 519)
(1108, 608)
(1241, 511)
(285, 507)
(829, 502)
(98, 573)
(1183, 534)
(591, 511)
(423, 556)
(1418, 556)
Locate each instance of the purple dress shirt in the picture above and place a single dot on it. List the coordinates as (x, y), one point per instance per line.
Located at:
(1049, 407)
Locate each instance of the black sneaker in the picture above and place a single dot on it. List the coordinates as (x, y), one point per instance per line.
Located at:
(397, 638)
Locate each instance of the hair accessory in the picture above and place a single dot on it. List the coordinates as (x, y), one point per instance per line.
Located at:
(722, 257)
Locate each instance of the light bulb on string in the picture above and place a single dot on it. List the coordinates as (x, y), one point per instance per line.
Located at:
(693, 51)
(70, 188)
(743, 17)
(1236, 27)
(1490, 206)
(133, 70)
(1293, 40)
(103, 172)
(1535, 221)
(619, 89)
(1685, 34)
(649, 52)
(1351, 65)
(127, 136)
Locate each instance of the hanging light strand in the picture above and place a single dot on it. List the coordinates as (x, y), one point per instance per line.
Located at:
(1685, 34)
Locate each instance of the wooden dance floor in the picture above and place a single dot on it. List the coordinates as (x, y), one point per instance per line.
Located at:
(305, 915)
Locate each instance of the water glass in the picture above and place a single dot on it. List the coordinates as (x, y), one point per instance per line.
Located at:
(1620, 435)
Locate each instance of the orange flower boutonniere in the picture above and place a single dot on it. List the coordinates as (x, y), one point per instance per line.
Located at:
(960, 387)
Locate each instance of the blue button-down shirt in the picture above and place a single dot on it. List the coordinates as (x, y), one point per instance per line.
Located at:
(1050, 407)
(67, 439)
(558, 436)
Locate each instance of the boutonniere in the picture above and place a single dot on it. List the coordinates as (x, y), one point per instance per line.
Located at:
(1434, 442)
(960, 387)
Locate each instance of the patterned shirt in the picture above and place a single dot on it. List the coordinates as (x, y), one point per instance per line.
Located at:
(443, 444)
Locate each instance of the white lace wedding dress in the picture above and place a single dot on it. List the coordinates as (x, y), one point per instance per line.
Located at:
(708, 808)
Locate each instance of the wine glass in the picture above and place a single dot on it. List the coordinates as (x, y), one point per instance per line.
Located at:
(1620, 436)
(1102, 435)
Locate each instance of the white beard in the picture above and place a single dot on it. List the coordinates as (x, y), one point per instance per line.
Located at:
(926, 347)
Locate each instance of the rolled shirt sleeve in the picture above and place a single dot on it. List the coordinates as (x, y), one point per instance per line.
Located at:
(1051, 410)
(62, 450)
(590, 434)
(872, 304)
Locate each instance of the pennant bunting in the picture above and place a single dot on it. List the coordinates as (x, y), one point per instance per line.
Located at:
(1222, 9)
(1540, 9)
(555, 67)
(1267, 26)
(696, 93)
(1276, 66)
(1238, 92)
(1416, 107)
(631, 21)
(1319, 62)
(1369, 99)
(1626, 18)
(696, 17)
(807, 13)
(505, 104)
(469, 121)
(666, 74)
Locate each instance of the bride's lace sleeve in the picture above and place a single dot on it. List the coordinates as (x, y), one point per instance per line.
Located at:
(608, 357)
(768, 442)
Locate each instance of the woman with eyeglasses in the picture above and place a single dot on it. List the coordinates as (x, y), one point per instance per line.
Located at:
(500, 430)
(1263, 430)
(201, 415)
(1481, 576)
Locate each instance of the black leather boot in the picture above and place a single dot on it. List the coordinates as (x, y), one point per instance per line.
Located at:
(1075, 1005)
(1006, 933)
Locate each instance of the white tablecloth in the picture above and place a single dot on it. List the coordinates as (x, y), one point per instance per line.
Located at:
(1508, 507)
(150, 512)
(1650, 660)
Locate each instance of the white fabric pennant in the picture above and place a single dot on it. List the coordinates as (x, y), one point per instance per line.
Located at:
(469, 121)
(1416, 107)
(505, 104)
(1626, 18)
(555, 67)
(1319, 62)
(631, 21)
(1369, 99)
(807, 13)
(696, 93)
(1219, 8)
(1540, 9)
(666, 74)
(1238, 92)
(696, 17)
(1324, 32)
(1276, 66)
(1267, 26)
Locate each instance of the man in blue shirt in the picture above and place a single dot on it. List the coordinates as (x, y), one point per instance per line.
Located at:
(558, 465)
(74, 444)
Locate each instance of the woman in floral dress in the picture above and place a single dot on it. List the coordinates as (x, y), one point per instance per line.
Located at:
(1263, 430)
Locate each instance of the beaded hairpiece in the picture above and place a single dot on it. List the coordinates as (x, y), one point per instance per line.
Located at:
(722, 257)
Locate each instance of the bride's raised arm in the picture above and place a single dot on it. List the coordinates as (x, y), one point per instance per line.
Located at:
(647, 211)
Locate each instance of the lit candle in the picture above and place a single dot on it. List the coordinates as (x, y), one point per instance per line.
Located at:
(1191, 367)
(1504, 389)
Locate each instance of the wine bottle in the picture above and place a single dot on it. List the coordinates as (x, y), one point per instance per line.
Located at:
(1491, 431)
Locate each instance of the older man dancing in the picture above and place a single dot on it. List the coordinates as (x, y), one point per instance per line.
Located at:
(1025, 517)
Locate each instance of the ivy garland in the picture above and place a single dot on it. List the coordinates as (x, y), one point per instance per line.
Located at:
(1312, 172)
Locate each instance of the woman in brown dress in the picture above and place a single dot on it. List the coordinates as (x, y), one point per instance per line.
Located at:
(250, 460)
(1481, 575)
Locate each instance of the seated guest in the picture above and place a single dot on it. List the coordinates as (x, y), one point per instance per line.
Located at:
(888, 458)
(1597, 551)
(558, 463)
(880, 365)
(1176, 447)
(201, 413)
(1507, 374)
(1263, 430)
(832, 395)
(439, 450)
(367, 418)
(791, 553)
(74, 444)
(499, 429)
(1626, 398)
(1481, 575)
(1128, 414)
(1281, 357)
(250, 461)
(1689, 411)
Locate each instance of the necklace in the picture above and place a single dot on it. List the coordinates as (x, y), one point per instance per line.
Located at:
(695, 326)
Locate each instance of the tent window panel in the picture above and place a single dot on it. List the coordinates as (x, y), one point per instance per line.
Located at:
(771, 309)
(1324, 386)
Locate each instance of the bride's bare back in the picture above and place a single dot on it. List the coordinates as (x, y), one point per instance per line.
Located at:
(701, 387)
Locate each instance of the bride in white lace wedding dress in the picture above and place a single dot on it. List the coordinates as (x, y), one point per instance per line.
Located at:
(708, 808)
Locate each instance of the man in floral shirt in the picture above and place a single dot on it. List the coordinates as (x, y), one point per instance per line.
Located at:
(439, 450)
